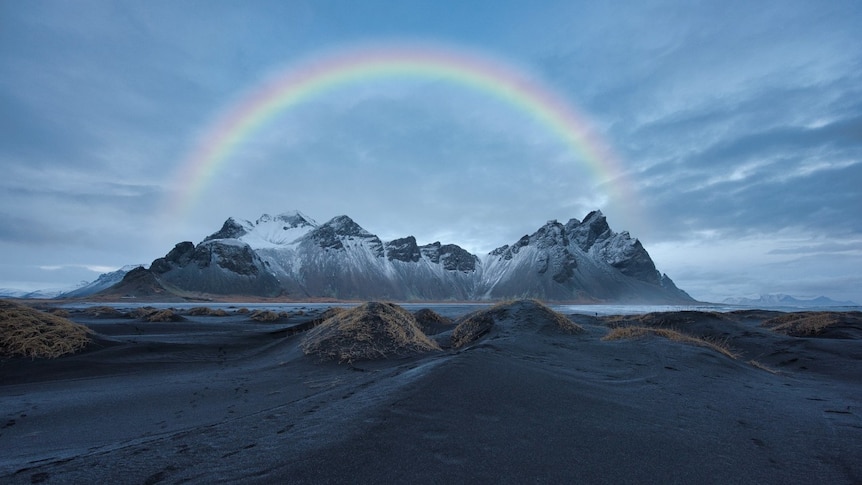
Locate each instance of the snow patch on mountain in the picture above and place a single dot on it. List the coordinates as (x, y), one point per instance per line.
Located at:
(267, 231)
(103, 282)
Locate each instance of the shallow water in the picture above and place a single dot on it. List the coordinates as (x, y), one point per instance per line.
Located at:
(453, 310)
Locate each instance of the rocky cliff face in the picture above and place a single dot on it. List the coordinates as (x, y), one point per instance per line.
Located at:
(218, 266)
(577, 261)
(291, 255)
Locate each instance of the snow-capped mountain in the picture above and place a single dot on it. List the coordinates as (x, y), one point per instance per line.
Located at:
(30, 294)
(782, 300)
(576, 261)
(291, 255)
(103, 282)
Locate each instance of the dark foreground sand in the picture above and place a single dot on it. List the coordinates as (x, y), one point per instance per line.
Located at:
(224, 399)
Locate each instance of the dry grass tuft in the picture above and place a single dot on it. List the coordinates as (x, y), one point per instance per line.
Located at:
(525, 313)
(370, 331)
(27, 332)
(762, 366)
(472, 327)
(264, 316)
(331, 312)
(429, 320)
(207, 312)
(327, 314)
(662, 319)
(560, 321)
(166, 315)
(633, 332)
(104, 312)
(59, 312)
(812, 324)
(142, 312)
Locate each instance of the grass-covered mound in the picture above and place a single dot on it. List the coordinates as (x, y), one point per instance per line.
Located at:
(154, 315)
(372, 330)
(518, 314)
(104, 312)
(431, 322)
(817, 324)
(267, 316)
(165, 315)
(205, 311)
(703, 329)
(474, 326)
(633, 332)
(692, 321)
(25, 332)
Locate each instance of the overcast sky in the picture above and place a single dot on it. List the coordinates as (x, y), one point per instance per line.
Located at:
(737, 126)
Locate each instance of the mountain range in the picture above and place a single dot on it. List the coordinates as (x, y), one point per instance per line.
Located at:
(781, 300)
(293, 257)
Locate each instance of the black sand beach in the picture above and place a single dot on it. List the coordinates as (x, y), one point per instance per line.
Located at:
(227, 399)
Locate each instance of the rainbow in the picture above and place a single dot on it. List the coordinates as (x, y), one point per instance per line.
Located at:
(308, 79)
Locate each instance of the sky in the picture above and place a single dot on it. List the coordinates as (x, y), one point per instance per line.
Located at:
(735, 130)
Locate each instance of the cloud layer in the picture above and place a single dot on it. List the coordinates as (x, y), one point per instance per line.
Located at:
(739, 125)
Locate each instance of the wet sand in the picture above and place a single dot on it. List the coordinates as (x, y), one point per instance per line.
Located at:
(226, 399)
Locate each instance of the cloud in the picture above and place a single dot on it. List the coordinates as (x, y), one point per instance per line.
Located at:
(95, 268)
(14, 229)
(739, 123)
(853, 247)
(711, 265)
(425, 161)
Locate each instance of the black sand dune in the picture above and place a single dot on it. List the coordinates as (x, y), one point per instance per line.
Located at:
(226, 399)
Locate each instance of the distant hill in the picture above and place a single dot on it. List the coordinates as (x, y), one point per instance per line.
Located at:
(103, 282)
(138, 284)
(779, 299)
(36, 294)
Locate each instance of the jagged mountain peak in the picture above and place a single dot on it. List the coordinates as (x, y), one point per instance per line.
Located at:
(345, 226)
(593, 228)
(403, 249)
(267, 231)
(231, 229)
(293, 218)
(342, 232)
(551, 234)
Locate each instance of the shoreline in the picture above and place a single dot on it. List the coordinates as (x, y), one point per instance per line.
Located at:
(153, 402)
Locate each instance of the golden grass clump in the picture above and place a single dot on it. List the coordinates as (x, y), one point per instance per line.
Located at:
(264, 316)
(60, 312)
(327, 314)
(633, 332)
(762, 366)
(166, 315)
(429, 320)
(811, 324)
(207, 312)
(142, 312)
(680, 319)
(372, 330)
(473, 327)
(559, 321)
(104, 312)
(26, 332)
(531, 314)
